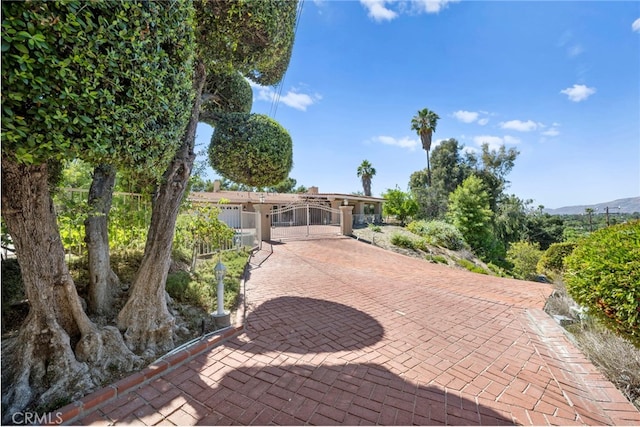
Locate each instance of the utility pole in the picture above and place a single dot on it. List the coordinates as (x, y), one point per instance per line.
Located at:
(607, 212)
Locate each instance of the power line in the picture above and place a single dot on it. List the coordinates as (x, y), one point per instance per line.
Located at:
(278, 91)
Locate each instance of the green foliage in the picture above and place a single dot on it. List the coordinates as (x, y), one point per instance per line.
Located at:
(200, 225)
(251, 149)
(438, 233)
(199, 288)
(603, 274)
(374, 228)
(399, 204)
(469, 212)
(543, 228)
(108, 82)
(552, 260)
(225, 93)
(403, 241)
(365, 172)
(253, 37)
(438, 259)
(524, 256)
(424, 123)
(129, 220)
(471, 266)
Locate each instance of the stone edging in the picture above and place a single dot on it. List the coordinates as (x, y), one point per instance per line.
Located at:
(81, 408)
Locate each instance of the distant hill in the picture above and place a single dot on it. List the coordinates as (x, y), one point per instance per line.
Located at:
(628, 205)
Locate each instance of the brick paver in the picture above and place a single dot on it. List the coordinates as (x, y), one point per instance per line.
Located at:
(340, 332)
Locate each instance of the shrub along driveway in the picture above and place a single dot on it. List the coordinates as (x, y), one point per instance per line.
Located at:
(340, 332)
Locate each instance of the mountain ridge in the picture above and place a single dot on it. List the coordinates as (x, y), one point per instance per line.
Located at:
(627, 205)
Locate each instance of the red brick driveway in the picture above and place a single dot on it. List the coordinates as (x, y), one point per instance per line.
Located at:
(341, 332)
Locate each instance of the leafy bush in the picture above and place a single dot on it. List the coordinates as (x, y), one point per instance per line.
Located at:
(199, 288)
(438, 233)
(438, 259)
(603, 274)
(471, 266)
(524, 256)
(402, 241)
(552, 260)
(374, 228)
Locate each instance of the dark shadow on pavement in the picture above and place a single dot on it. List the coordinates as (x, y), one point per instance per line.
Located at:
(350, 394)
(308, 325)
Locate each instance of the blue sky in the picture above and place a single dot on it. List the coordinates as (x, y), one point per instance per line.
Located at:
(557, 80)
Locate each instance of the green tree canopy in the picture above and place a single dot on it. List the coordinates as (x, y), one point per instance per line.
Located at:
(251, 149)
(105, 82)
(399, 204)
(469, 212)
(225, 93)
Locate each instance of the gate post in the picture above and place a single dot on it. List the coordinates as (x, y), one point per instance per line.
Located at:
(346, 220)
(263, 211)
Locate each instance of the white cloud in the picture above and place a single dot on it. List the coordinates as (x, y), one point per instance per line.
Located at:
(551, 132)
(378, 11)
(575, 50)
(293, 98)
(466, 116)
(508, 139)
(433, 6)
(471, 117)
(578, 93)
(406, 142)
(519, 125)
(495, 142)
(636, 25)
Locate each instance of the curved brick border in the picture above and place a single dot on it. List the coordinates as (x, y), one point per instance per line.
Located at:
(80, 408)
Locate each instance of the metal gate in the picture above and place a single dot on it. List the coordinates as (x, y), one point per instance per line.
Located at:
(304, 220)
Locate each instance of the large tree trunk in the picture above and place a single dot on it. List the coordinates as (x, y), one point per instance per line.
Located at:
(145, 318)
(59, 353)
(102, 279)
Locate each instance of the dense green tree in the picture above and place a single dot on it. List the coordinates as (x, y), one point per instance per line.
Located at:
(524, 256)
(543, 229)
(365, 172)
(469, 212)
(399, 204)
(254, 38)
(424, 123)
(78, 83)
(510, 219)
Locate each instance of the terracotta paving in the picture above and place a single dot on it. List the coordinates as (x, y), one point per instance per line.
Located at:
(341, 332)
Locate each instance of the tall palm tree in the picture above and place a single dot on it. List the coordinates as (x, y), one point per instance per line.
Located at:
(365, 172)
(424, 123)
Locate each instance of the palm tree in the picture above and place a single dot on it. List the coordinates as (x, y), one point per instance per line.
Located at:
(366, 172)
(424, 123)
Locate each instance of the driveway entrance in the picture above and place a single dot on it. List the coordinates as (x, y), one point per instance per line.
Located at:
(304, 220)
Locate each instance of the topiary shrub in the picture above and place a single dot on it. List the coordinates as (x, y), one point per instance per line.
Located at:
(603, 274)
(225, 93)
(251, 149)
(552, 260)
(438, 233)
(524, 256)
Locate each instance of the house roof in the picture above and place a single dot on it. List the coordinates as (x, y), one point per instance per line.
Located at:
(242, 197)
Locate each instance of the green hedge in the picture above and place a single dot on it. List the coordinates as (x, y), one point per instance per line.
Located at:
(552, 260)
(603, 274)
